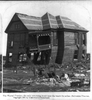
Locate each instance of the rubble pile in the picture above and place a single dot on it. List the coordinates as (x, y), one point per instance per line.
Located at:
(68, 75)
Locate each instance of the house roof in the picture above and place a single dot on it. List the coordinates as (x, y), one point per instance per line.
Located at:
(48, 21)
(67, 23)
(31, 22)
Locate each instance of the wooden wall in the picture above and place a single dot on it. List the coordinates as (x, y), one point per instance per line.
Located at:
(68, 43)
(62, 51)
(19, 43)
(69, 46)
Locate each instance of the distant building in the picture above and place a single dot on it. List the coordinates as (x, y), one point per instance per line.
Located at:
(42, 38)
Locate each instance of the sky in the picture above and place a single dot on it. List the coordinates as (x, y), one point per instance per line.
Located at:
(78, 11)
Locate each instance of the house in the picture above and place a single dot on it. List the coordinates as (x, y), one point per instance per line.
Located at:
(44, 39)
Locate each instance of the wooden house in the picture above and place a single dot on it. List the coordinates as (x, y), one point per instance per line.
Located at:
(44, 40)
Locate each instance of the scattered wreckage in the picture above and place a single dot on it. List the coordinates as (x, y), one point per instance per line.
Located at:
(60, 78)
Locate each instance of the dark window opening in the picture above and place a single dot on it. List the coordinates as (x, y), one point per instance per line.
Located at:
(10, 57)
(76, 55)
(42, 40)
(32, 41)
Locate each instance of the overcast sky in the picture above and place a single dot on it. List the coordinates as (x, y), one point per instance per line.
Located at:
(78, 11)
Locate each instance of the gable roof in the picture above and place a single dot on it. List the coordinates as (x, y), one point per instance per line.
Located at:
(31, 22)
(67, 23)
(48, 21)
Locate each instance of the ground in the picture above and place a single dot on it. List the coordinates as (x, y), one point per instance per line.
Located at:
(24, 81)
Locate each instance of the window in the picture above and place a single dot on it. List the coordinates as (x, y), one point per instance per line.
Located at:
(32, 41)
(11, 44)
(32, 56)
(76, 55)
(44, 40)
(22, 57)
(84, 39)
(10, 57)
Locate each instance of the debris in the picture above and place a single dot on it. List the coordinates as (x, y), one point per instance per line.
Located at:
(68, 77)
(27, 81)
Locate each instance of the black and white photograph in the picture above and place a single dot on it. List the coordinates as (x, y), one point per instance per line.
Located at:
(0, 57)
(46, 46)
(0, 73)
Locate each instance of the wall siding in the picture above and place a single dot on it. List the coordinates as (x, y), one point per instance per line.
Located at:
(69, 46)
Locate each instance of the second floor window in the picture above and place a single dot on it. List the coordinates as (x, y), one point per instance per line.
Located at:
(17, 26)
(11, 44)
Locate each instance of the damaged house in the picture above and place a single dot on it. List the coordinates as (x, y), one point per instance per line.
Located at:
(44, 40)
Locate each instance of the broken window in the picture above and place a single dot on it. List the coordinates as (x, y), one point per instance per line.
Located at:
(76, 55)
(10, 57)
(22, 57)
(42, 40)
(32, 56)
